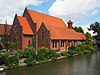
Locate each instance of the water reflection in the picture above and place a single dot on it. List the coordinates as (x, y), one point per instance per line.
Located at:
(3, 73)
(79, 65)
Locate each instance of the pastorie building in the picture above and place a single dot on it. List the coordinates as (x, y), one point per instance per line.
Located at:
(2, 32)
(43, 30)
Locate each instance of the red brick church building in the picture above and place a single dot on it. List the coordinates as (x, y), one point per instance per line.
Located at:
(47, 31)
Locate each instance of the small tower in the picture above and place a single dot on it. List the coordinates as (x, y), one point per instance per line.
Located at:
(70, 24)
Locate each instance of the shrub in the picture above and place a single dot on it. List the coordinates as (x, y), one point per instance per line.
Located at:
(71, 52)
(53, 55)
(27, 52)
(71, 48)
(45, 54)
(65, 53)
(30, 61)
(42, 54)
(10, 59)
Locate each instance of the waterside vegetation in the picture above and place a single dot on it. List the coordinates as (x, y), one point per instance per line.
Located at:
(31, 56)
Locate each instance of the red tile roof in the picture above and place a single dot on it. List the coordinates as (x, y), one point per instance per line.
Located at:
(26, 27)
(57, 27)
(63, 33)
(2, 31)
(38, 18)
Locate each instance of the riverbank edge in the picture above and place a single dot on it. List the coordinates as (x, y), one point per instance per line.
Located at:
(43, 62)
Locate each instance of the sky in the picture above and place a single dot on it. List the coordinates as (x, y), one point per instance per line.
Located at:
(81, 12)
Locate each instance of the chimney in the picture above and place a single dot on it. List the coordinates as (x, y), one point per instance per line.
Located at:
(70, 24)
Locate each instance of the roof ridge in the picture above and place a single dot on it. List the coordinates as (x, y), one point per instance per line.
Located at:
(44, 14)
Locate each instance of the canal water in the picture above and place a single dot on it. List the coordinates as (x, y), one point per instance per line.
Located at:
(79, 65)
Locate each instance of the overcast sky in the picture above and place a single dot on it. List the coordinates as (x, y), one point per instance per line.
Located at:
(81, 12)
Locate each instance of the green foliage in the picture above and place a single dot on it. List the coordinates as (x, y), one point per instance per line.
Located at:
(5, 38)
(45, 53)
(53, 54)
(41, 54)
(78, 50)
(6, 55)
(12, 45)
(96, 28)
(10, 59)
(30, 61)
(78, 29)
(65, 53)
(88, 39)
(27, 52)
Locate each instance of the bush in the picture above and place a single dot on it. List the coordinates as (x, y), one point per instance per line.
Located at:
(53, 54)
(10, 59)
(71, 52)
(71, 48)
(65, 53)
(27, 52)
(45, 54)
(30, 61)
(42, 54)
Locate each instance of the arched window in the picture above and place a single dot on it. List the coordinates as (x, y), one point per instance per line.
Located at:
(42, 33)
(29, 42)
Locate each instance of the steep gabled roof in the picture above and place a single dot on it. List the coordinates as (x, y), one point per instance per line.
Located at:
(26, 27)
(58, 29)
(2, 31)
(38, 18)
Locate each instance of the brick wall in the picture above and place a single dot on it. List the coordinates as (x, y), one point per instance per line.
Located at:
(16, 33)
(43, 40)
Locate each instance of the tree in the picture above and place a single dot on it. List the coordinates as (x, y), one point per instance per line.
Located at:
(78, 29)
(88, 39)
(81, 30)
(96, 28)
(5, 38)
(12, 45)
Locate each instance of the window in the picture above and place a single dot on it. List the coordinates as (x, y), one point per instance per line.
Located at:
(29, 42)
(54, 44)
(69, 43)
(62, 43)
(42, 33)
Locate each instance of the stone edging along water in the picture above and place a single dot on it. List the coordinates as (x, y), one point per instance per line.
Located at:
(37, 63)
